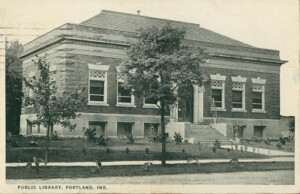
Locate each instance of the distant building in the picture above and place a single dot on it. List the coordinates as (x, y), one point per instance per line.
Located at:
(243, 80)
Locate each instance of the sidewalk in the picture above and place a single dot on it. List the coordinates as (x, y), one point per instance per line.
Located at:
(138, 163)
(264, 151)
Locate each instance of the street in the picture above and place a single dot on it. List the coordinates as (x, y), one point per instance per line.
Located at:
(279, 177)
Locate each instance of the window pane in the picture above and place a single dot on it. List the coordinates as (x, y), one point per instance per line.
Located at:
(122, 91)
(237, 99)
(96, 83)
(97, 87)
(217, 96)
(257, 100)
(96, 98)
(150, 101)
(124, 99)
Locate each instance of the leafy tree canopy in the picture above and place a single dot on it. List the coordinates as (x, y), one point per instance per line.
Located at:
(159, 66)
(13, 65)
(51, 108)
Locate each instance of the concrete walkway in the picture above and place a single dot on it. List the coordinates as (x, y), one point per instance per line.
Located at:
(264, 151)
(138, 163)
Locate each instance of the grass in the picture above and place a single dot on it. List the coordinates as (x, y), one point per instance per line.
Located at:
(288, 147)
(117, 153)
(110, 171)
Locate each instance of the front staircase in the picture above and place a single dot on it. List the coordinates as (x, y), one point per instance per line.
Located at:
(204, 134)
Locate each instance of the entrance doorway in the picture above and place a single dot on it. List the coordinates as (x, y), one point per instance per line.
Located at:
(185, 106)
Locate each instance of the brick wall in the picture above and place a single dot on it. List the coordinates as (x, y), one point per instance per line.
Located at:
(272, 94)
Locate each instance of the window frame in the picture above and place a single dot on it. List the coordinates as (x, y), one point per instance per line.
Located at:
(221, 79)
(239, 80)
(146, 105)
(121, 79)
(102, 69)
(259, 82)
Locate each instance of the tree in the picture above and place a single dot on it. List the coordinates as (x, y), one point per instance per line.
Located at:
(51, 109)
(160, 67)
(291, 126)
(14, 93)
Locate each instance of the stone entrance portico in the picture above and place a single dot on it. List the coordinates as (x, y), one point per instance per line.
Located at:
(198, 94)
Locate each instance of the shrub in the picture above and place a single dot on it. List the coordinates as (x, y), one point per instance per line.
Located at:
(152, 135)
(90, 134)
(267, 141)
(147, 150)
(217, 144)
(107, 150)
(257, 139)
(127, 150)
(178, 138)
(84, 151)
(279, 145)
(214, 149)
(282, 140)
(54, 136)
(130, 139)
(33, 143)
(101, 140)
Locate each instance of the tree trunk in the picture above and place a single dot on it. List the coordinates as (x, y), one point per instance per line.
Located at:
(51, 131)
(47, 143)
(162, 124)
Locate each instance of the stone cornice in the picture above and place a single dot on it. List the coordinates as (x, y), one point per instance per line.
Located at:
(122, 45)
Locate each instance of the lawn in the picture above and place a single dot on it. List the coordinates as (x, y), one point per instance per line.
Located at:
(109, 171)
(288, 147)
(78, 150)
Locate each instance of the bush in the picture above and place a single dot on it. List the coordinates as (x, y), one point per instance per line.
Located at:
(127, 150)
(267, 141)
(279, 145)
(147, 150)
(178, 138)
(257, 139)
(152, 135)
(54, 136)
(101, 140)
(217, 144)
(214, 149)
(282, 140)
(130, 139)
(90, 134)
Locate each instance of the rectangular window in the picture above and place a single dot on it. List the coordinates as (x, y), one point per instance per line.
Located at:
(217, 97)
(257, 100)
(124, 95)
(237, 99)
(124, 129)
(218, 91)
(99, 126)
(150, 101)
(97, 85)
(96, 91)
(258, 95)
(258, 131)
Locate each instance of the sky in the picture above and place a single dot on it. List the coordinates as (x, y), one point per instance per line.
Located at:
(270, 24)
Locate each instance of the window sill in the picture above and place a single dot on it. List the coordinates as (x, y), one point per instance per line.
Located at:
(98, 104)
(238, 110)
(126, 105)
(258, 111)
(219, 109)
(150, 106)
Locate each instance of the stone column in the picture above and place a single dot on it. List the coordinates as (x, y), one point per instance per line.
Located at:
(201, 91)
(196, 104)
